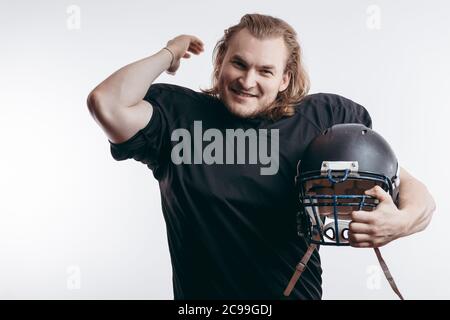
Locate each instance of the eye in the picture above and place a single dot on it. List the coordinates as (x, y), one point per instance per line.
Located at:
(238, 64)
(267, 72)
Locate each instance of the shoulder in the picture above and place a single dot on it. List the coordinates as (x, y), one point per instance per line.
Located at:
(162, 93)
(331, 101)
(180, 105)
(171, 90)
(327, 109)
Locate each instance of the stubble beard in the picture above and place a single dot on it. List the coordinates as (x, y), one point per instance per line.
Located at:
(237, 109)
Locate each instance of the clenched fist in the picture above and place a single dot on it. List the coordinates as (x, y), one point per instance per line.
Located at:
(180, 47)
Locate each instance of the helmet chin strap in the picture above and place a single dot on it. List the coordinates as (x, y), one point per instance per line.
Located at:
(301, 266)
(387, 273)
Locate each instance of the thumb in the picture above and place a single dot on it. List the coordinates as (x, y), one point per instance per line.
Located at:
(378, 193)
(172, 70)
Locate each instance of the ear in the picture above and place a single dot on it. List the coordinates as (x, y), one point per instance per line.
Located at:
(285, 81)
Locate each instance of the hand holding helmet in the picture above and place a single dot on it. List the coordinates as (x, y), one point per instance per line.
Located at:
(379, 227)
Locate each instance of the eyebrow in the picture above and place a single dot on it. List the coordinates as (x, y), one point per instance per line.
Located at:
(238, 57)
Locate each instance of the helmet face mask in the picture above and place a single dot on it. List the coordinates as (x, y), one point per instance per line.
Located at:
(328, 198)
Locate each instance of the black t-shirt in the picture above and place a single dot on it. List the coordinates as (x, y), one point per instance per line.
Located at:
(231, 230)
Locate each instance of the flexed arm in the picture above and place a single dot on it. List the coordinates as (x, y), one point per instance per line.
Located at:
(117, 104)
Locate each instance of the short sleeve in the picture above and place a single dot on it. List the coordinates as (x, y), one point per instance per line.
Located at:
(173, 107)
(323, 110)
(148, 145)
(348, 111)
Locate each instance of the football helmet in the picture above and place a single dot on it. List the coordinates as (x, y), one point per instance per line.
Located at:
(335, 170)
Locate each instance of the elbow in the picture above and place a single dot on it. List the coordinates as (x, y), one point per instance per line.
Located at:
(100, 102)
(430, 209)
(93, 102)
(431, 203)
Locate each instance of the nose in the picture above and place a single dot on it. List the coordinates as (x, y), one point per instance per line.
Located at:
(248, 80)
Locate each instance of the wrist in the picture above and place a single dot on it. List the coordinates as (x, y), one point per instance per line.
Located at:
(171, 54)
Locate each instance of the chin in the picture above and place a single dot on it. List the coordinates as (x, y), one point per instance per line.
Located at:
(243, 111)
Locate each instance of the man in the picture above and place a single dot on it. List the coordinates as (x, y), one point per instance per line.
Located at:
(231, 225)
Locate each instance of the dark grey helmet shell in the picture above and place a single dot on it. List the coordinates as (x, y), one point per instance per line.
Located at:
(351, 142)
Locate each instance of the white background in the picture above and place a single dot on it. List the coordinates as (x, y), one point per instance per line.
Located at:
(76, 224)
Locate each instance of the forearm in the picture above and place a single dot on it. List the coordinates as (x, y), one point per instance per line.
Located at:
(416, 203)
(128, 85)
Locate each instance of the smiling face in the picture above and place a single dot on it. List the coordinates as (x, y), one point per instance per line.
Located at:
(252, 74)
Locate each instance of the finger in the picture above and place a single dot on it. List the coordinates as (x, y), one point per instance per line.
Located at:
(195, 48)
(363, 217)
(186, 55)
(362, 245)
(197, 40)
(359, 238)
(357, 227)
(193, 40)
(378, 193)
(192, 48)
(197, 43)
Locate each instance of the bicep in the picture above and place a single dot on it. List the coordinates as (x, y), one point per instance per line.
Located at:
(405, 175)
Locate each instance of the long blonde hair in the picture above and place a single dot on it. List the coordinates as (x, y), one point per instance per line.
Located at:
(263, 27)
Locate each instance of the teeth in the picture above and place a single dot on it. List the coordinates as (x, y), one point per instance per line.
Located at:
(243, 94)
